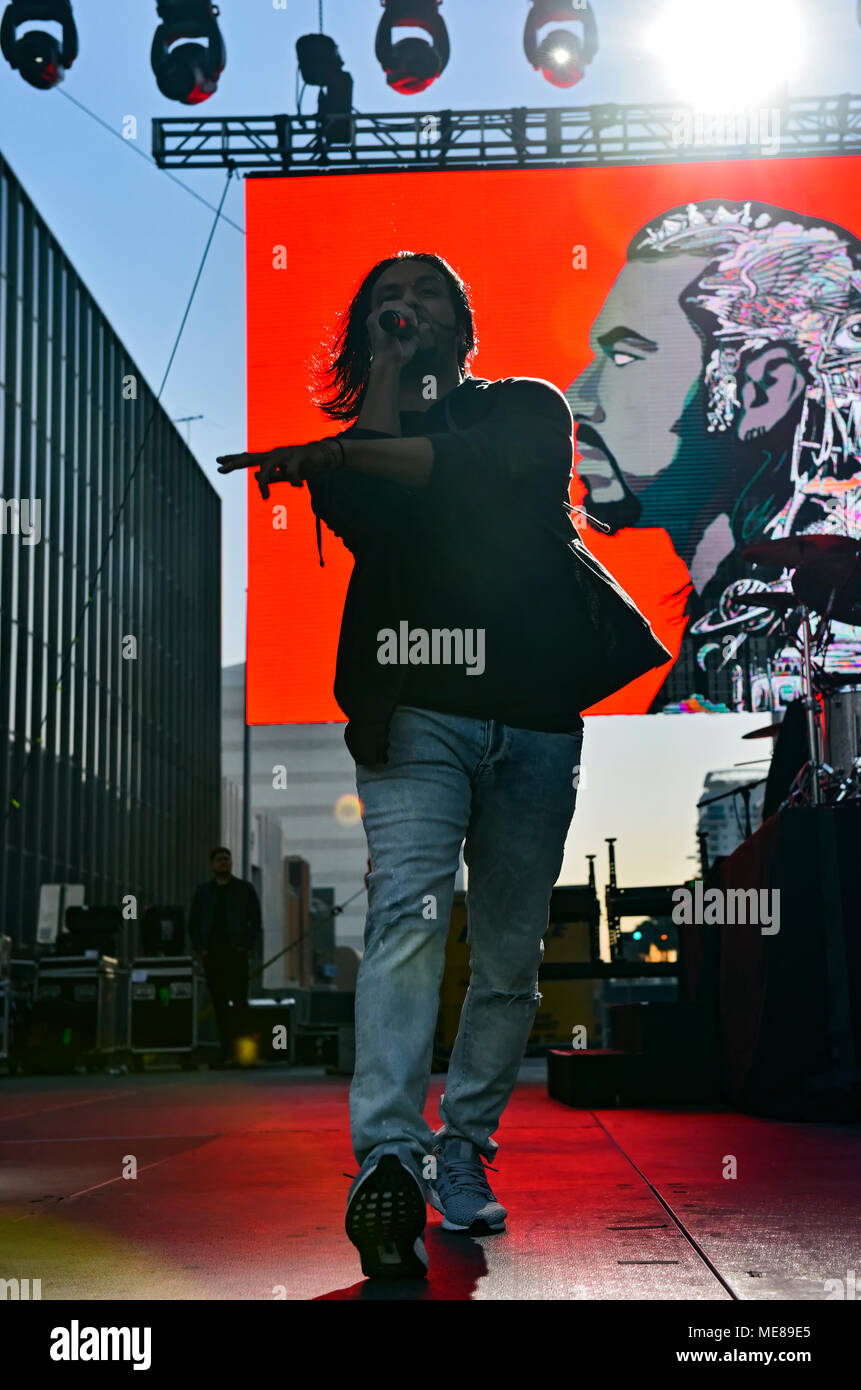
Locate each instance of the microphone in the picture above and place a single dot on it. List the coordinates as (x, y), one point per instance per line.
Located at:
(392, 322)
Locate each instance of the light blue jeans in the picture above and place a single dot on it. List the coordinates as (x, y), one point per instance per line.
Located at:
(507, 795)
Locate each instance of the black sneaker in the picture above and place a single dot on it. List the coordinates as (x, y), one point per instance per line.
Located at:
(387, 1213)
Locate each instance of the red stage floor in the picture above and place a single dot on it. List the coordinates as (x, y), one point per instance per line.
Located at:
(240, 1194)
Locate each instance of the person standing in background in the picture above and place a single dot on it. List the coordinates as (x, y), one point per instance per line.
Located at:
(224, 926)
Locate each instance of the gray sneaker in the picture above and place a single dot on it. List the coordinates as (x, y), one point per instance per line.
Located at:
(461, 1191)
(387, 1214)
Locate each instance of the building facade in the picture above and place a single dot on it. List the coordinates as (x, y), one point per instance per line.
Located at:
(303, 775)
(723, 821)
(110, 601)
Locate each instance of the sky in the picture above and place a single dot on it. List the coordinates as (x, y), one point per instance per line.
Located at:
(136, 238)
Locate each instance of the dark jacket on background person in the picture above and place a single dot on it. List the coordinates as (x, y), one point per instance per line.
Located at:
(488, 539)
(243, 914)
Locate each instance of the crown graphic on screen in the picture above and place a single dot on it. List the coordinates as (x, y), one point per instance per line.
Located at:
(696, 219)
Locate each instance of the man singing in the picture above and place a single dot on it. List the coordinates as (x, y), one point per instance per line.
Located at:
(476, 628)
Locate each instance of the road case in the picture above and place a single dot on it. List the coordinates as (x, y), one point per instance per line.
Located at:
(164, 1000)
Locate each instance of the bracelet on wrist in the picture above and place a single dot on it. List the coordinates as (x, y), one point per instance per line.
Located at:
(327, 455)
(334, 456)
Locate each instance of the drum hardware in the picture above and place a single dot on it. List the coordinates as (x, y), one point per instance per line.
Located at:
(850, 787)
(843, 736)
(801, 791)
(780, 600)
(827, 584)
(811, 711)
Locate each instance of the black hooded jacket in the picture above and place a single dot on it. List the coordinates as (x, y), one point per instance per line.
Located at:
(487, 543)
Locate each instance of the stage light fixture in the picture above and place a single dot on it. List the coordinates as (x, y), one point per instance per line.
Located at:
(411, 64)
(321, 65)
(190, 72)
(562, 55)
(41, 57)
(731, 55)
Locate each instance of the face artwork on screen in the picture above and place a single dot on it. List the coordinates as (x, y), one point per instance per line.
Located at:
(723, 403)
(703, 321)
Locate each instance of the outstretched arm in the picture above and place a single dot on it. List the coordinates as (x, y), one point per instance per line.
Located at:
(406, 461)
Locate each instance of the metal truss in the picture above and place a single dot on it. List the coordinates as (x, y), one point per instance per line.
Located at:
(571, 137)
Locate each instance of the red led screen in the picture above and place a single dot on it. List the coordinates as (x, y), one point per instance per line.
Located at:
(703, 322)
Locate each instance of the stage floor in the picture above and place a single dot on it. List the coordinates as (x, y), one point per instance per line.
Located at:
(240, 1194)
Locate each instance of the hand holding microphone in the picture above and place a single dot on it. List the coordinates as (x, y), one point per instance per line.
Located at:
(393, 321)
(395, 334)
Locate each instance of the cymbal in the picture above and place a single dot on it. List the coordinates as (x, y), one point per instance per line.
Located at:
(770, 731)
(832, 585)
(791, 551)
(833, 567)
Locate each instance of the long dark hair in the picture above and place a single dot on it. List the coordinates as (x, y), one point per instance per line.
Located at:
(345, 374)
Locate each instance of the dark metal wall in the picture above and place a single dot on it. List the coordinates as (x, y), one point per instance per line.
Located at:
(122, 794)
